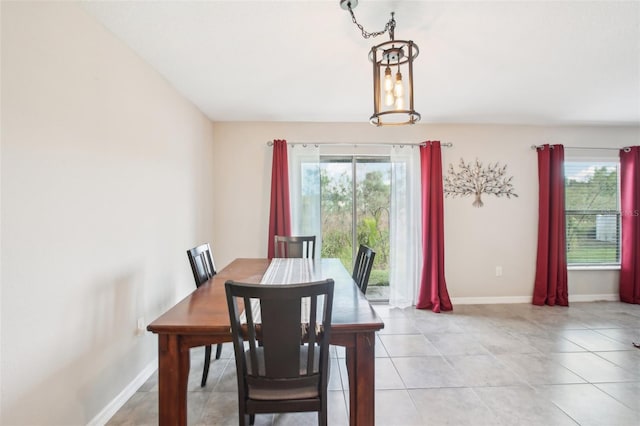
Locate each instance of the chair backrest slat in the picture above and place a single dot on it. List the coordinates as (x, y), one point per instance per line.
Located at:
(295, 247)
(202, 264)
(362, 267)
(252, 335)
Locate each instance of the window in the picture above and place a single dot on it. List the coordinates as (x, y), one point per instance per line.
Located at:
(592, 200)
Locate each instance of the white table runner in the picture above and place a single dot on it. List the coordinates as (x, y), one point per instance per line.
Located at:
(285, 271)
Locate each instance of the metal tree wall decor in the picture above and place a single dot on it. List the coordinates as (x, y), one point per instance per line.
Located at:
(475, 179)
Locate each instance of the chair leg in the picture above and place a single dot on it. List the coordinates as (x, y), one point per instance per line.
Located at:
(322, 418)
(218, 350)
(322, 414)
(207, 361)
(252, 419)
(246, 419)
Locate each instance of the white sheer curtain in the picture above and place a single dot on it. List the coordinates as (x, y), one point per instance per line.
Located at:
(304, 188)
(405, 244)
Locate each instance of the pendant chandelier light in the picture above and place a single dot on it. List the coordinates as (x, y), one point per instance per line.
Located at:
(392, 74)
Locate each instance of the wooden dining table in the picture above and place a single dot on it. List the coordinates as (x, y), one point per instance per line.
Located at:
(202, 318)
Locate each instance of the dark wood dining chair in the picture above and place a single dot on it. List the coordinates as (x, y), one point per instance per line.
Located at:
(282, 356)
(203, 269)
(362, 267)
(300, 246)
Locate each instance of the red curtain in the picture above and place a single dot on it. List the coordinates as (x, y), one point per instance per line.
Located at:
(630, 224)
(433, 292)
(280, 213)
(551, 264)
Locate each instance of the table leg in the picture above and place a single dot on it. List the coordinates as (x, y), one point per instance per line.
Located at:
(173, 374)
(360, 360)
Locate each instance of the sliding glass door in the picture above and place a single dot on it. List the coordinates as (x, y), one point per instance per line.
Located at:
(354, 209)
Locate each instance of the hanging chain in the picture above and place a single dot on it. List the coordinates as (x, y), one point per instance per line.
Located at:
(390, 26)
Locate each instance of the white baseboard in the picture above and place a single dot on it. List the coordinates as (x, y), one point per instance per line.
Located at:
(594, 297)
(489, 300)
(103, 417)
(527, 299)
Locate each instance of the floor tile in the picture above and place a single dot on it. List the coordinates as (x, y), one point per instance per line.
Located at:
(483, 370)
(228, 381)
(457, 344)
(387, 376)
(335, 380)
(500, 343)
(629, 360)
(395, 407)
(626, 393)
(556, 318)
(452, 406)
(430, 322)
(593, 341)
(616, 317)
(517, 324)
(522, 406)
(549, 342)
(472, 323)
(381, 351)
(151, 384)
(141, 409)
(340, 350)
(427, 372)
(399, 325)
(538, 369)
(407, 345)
(222, 410)
(216, 369)
(593, 368)
(594, 319)
(625, 336)
(336, 414)
(590, 406)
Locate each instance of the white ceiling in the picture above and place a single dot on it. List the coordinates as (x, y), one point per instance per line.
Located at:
(522, 62)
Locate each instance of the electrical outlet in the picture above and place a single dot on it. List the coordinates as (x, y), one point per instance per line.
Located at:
(140, 326)
(498, 271)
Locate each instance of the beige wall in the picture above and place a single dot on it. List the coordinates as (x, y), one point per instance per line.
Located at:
(105, 183)
(502, 233)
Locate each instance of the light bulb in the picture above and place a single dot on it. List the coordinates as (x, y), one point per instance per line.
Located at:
(398, 88)
(389, 99)
(388, 82)
(399, 102)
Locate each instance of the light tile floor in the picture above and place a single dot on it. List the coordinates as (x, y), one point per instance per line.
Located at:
(512, 364)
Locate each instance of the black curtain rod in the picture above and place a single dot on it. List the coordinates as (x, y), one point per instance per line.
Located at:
(625, 148)
(316, 144)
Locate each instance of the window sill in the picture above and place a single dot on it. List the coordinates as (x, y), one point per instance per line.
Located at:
(593, 268)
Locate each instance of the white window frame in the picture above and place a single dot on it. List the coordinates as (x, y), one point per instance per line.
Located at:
(595, 160)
